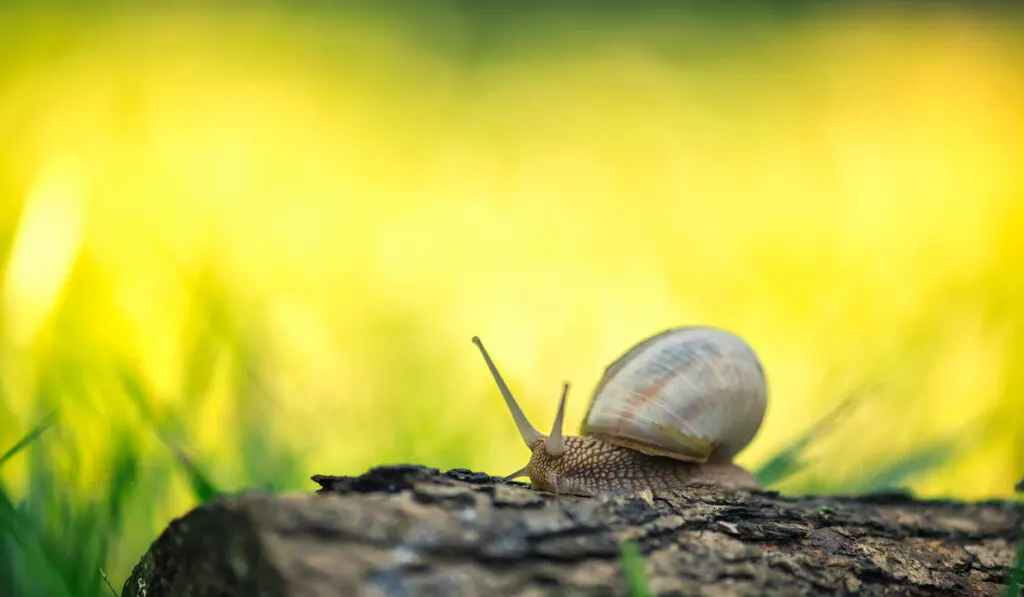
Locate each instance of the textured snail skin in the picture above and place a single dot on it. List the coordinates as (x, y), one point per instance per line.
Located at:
(589, 467)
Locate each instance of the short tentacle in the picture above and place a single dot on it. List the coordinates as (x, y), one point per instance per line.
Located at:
(555, 443)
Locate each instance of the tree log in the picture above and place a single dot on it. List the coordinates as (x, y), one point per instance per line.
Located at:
(411, 530)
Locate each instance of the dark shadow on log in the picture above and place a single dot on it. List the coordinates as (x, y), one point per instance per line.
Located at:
(410, 530)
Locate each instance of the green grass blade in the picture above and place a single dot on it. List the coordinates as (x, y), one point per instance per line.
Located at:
(29, 437)
(106, 580)
(1016, 573)
(122, 481)
(132, 387)
(633, 569)
(911, 464)
(788, 461)
(203, 488)
(784, 464)
(38, 566)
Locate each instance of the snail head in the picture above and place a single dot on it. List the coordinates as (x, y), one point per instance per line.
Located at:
(544, 447)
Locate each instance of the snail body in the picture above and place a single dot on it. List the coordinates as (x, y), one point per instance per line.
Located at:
(672, 411)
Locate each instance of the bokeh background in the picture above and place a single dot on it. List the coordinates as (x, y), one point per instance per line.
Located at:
(241, 246)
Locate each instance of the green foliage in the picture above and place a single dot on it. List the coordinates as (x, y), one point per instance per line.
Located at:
(633, 569)
(23, 556)
(56, 547)
(889, 473)
(791, 459)
(905, 467)
(30, 437)
(1016, 580)
(203, 488)
(139, 441)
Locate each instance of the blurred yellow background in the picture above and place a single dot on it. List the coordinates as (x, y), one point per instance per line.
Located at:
(285, 225)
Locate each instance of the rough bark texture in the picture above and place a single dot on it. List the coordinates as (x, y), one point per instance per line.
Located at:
(410, 530)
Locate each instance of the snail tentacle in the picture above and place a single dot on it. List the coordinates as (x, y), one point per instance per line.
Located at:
(527, 431)
(554, 443)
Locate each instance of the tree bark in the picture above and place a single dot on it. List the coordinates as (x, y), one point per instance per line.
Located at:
(411, 530)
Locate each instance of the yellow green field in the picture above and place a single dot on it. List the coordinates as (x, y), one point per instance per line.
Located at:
(265, 237)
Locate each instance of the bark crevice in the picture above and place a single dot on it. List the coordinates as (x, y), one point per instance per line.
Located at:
(412, 530)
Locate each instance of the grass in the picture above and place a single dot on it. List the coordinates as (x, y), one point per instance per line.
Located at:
(31, 436)
(1016, 577)
(633, 570)
(257, 249)
(50, 560)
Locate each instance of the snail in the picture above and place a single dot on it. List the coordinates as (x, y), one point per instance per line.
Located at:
(672, 411)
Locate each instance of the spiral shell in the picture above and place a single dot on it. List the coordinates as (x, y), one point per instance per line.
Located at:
(695, 394)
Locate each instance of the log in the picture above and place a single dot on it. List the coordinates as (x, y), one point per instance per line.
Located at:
(412, 530)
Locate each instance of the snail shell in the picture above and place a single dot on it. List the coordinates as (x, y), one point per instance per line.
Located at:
(695, 394)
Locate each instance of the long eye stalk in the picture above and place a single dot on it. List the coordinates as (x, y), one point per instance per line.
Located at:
(529, 434)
